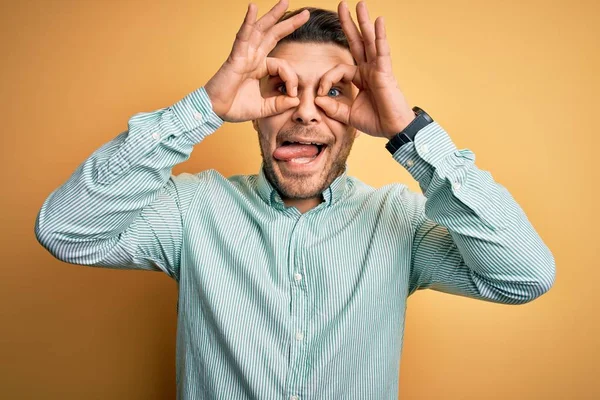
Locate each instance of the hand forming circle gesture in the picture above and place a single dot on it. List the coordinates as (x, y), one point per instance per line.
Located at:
(234, 90)
(380, 108)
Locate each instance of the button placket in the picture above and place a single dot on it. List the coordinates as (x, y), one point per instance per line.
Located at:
(298, 307)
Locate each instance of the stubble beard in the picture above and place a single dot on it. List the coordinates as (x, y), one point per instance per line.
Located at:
(296, 186)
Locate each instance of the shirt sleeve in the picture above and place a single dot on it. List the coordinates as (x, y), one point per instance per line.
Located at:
(122, 208)
(471, 238)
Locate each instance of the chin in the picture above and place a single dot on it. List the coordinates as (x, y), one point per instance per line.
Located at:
(300, 187)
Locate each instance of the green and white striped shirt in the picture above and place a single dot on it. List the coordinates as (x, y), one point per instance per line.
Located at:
(275, 304)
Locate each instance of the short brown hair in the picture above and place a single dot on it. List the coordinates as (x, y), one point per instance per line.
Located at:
(323, 26)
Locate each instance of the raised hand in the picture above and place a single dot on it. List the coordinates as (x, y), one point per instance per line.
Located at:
(380, 108)
(234, 90)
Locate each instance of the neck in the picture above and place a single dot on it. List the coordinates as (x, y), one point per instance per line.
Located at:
(303, 205)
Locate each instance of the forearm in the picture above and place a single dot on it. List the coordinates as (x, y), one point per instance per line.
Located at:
(506, 259)
(109, 189)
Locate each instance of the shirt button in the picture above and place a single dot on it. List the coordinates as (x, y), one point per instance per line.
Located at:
(294, 398)
(297, 277)
(456, 185)
(410, 163)
(198, 116)
(424, 149)
(299, 336)
(156, 136)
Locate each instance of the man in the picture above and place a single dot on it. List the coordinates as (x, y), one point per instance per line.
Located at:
(293, 282)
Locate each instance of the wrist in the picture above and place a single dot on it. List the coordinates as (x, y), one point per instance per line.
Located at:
(212, 98)
(409, 132)
(403, 123)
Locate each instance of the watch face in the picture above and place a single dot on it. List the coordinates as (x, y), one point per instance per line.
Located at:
(417, 110)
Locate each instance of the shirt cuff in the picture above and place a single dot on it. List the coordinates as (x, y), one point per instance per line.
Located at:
(196, 116)
(431, 150)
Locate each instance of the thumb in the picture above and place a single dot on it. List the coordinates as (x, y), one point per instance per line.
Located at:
(334, 109)
(278, 104)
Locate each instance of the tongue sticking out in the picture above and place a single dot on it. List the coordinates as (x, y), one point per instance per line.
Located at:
(295, 150)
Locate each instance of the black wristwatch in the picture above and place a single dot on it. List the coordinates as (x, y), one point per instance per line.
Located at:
(407, 135)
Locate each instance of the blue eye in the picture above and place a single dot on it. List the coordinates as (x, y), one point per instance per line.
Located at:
(334, 92)
(282, 88)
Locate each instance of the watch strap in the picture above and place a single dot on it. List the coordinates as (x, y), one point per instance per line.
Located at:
(421, 120)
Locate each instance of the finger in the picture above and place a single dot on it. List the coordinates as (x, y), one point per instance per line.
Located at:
(334, 109)
(283, 29)
(352, 34)
(340, 73)
(240, 45)
(279, 67)
(367, 30)
(381, 43)
(269, 19)
(278, 104)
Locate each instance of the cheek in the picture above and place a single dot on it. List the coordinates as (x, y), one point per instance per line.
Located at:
(338, 130)
(270, 127)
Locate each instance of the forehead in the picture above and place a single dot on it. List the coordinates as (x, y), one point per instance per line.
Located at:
(311, 60)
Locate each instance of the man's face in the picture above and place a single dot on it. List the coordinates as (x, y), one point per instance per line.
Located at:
(305, 176)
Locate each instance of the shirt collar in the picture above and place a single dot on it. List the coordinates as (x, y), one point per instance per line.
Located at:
(331, 195)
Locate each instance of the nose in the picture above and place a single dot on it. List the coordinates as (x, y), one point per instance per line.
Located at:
(307, 112)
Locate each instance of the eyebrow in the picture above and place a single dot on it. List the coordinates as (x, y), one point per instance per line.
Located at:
(271, 78)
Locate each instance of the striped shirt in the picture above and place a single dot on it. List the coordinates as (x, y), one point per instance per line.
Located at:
(276, 304)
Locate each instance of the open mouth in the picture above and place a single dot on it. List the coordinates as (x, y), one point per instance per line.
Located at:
(299, 152)
(303, 157)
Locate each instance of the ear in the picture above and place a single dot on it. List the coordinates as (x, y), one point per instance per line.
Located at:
(356, 133)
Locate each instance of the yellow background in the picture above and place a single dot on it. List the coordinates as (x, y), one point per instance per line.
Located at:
(514, 81)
